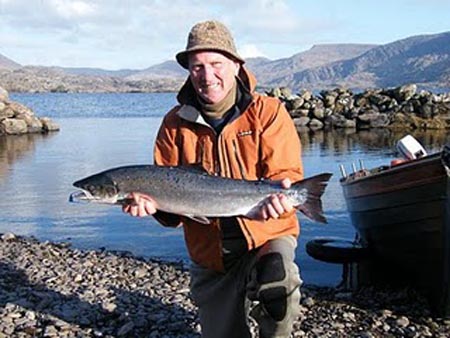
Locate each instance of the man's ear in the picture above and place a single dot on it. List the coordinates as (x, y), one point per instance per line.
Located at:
(238, 68)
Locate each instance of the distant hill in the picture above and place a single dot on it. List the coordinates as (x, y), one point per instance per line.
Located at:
(56, 79)
(318, 55)
(167, 69)
(9, 64)
(98, 71)
(424, 60)
(420, 59)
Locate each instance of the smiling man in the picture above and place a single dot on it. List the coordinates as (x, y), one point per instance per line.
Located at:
(222, 124)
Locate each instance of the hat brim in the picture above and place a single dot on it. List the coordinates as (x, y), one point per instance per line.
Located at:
(183, 56)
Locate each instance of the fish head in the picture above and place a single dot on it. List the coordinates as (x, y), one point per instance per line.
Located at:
(96, 189)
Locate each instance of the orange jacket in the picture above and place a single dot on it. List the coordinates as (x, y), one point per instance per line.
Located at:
(261, 142)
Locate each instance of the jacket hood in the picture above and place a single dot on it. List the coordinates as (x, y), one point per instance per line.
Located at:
(187, 91)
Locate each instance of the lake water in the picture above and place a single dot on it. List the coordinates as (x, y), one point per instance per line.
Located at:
(99, 131)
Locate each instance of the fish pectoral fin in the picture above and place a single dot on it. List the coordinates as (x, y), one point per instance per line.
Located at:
(199, 219)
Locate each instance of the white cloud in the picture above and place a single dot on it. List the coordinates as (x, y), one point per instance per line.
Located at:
(72, 9)
(249, 51)
(140, 33)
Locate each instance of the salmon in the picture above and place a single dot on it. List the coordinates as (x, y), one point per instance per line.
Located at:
(196, 194)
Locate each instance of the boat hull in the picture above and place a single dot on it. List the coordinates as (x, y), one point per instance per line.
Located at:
(402, 215)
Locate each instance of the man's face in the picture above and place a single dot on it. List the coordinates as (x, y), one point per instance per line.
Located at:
(212, 74)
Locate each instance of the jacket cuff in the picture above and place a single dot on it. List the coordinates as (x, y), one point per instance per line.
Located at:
(167, 219)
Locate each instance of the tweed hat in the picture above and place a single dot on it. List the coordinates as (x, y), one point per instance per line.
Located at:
(209, 35)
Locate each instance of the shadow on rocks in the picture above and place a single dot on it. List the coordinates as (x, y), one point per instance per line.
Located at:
(34, 309)
(399, 300)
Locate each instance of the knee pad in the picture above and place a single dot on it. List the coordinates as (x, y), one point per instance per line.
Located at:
(270, 268)
(274, 301)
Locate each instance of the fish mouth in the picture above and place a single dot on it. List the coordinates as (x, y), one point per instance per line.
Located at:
(81, 196)
(84, 196)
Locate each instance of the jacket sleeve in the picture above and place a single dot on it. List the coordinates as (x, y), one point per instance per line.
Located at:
(166, 153)
(280, 146)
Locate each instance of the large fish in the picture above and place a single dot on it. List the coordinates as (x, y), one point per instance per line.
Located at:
(196, 194)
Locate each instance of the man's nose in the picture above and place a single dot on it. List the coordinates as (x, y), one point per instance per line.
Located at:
(208, 72)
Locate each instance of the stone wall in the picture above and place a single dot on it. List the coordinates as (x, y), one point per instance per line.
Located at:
(15, 118)
(398, 108)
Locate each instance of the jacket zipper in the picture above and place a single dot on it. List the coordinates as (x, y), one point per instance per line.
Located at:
(241, 169)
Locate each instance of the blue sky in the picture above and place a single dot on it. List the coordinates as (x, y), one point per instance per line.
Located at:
(117, 34)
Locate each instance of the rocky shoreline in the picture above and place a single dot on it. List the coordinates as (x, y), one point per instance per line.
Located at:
(17, 119)
(52, 290)
(399, 108)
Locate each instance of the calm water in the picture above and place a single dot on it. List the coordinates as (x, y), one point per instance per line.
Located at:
(99, 131)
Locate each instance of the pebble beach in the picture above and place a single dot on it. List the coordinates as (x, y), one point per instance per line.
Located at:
(53, 290)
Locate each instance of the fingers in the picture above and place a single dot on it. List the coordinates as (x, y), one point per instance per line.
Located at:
(140, 206)
(274, 206)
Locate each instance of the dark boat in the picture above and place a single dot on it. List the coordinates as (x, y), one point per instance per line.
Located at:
(402, 214)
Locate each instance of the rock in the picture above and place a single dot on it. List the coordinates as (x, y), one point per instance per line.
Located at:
(11, 126)
(20, 109)
(48, 125)
(6, 112)
(285, 92)
(402, 321)
(374, 108)
(301, 121)
(318, 113)
(315, 124)
(8, 237)
(3, 95)
(305, 95)
(295, 104)
(16, 118)
(404, 93)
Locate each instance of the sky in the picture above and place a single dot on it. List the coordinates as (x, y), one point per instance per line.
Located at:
(136, 34)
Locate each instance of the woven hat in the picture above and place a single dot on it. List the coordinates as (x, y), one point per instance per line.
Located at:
(209, 35)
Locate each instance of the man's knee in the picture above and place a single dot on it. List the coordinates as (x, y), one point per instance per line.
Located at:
(270, 268)
(277, 281)
(274, 301)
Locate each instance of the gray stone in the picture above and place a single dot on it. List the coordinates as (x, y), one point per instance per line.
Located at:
(3, 95)
(13, 127)
(48, 124)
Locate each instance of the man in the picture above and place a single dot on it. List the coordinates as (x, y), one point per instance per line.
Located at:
(225, 127)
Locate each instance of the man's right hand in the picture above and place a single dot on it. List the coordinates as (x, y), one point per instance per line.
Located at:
(140, 205)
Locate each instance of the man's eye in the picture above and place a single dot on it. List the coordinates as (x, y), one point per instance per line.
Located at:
(217, 64)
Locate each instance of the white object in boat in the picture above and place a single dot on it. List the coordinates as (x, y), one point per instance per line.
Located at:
(410, 148)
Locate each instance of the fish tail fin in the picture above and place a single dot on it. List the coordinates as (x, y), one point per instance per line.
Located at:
(315, 187)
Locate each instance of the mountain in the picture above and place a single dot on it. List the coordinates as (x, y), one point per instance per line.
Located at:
(56, 79)
(318, 55)
(167, 69)
(421, 59)
(9, 64)
(98, 71)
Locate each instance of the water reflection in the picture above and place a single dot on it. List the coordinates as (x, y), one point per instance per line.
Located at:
(343, 141)
(15, 147)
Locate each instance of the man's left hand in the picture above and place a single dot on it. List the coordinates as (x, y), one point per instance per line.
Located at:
(275, 205)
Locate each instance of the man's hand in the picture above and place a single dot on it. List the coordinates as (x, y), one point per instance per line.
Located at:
(275, 205)
(141, 205)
